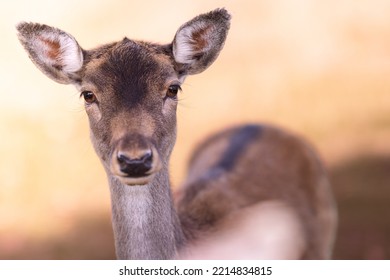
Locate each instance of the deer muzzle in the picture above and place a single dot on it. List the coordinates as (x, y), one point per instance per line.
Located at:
(135, 160)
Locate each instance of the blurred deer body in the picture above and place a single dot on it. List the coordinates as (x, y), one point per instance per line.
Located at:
(254, 187)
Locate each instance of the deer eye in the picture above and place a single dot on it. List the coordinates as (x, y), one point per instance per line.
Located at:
(172, 91)
(88, 96)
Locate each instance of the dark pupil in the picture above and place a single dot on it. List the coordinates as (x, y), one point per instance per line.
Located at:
(173, 90)
(88, 96)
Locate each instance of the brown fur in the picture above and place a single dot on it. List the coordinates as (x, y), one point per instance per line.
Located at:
(259, 176)
(54, 48)
(277, 166)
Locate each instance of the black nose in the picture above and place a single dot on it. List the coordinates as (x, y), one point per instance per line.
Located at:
(135, 167)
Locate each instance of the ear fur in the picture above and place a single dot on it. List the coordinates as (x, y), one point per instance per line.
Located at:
(56, 53)
(198, 42)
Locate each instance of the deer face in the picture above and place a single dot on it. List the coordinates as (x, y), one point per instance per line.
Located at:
(130, 88)
(130, 91)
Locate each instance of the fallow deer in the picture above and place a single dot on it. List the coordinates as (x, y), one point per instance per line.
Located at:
(254, 186)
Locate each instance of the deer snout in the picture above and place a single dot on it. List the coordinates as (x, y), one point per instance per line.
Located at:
(135, 167)
(135, 161)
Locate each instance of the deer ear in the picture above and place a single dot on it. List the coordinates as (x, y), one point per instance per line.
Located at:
(56, 53)
(198, 42)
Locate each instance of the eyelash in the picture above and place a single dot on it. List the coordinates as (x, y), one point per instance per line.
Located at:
(88, 96)
(172, 91)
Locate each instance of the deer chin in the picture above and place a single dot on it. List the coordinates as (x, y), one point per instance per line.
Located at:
(135, 181)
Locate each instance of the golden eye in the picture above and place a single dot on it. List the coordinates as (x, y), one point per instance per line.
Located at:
(172, 91)
(88, 96)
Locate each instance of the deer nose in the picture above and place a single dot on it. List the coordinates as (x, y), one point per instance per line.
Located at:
(135, 167)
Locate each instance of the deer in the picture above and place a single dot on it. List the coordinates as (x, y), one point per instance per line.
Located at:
(252, 190)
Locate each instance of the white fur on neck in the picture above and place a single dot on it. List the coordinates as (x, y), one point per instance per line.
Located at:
(132, 206)
(143, 219)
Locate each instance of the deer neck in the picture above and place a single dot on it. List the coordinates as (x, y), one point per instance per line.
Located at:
(144, 220)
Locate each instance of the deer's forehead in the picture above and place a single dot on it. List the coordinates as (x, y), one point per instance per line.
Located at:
(130, 66)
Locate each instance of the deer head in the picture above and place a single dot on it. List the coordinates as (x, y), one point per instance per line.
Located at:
(130, 88)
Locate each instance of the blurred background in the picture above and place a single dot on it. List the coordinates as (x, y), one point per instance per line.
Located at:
(318, 68)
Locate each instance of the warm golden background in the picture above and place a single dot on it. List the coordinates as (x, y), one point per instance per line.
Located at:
(320, 68)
